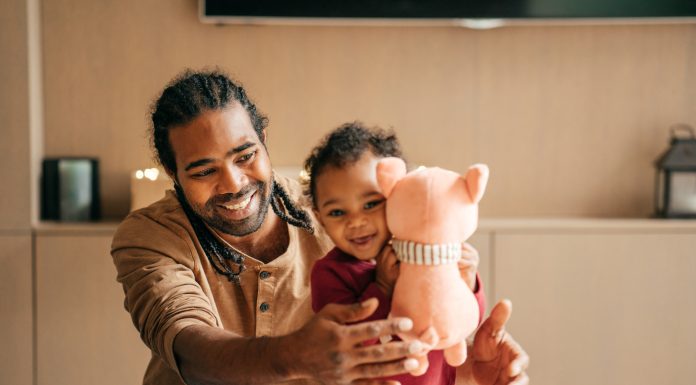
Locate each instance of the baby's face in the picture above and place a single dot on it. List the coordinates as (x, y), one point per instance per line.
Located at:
(351, 208)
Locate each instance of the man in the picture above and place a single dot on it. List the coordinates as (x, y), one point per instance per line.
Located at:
(216, 274)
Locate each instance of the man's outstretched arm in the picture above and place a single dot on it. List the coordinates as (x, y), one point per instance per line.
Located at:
(323, 349)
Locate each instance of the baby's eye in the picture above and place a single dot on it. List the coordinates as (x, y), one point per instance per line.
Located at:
(336, 213)
(373, 204)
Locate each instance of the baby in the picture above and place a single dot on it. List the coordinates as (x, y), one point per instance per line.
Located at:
(347, 201)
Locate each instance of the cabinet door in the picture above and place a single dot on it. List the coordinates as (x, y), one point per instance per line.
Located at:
(84, 335)
(602, 308)
(16, 310)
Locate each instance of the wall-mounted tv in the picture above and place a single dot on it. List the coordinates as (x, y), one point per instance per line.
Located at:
(447, 11)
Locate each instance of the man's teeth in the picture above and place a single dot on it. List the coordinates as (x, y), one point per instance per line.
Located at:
(239, 205)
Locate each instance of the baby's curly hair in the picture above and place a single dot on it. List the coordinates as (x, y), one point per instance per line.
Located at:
(344, 146)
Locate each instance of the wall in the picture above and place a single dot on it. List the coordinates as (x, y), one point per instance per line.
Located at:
(16, 302)
(14, 117)
(569, 118)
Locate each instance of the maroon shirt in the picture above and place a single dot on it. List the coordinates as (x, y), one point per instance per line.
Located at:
(343, 279)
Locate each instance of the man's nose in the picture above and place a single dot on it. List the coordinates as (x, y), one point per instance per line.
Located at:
(232, 180)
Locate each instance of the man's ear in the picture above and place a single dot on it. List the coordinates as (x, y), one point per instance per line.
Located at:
(476, 179)
(263, 136)
(389, 171)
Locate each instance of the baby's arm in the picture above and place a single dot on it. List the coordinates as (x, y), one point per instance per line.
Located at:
(332, 282)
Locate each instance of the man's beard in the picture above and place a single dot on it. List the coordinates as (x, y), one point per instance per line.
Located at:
(209, 212)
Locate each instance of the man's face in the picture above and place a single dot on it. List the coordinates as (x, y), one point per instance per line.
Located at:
(224, 170)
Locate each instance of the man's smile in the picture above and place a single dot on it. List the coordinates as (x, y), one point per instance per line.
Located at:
(240, 205)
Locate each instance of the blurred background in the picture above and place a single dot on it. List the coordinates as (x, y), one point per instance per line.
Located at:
(569, 116)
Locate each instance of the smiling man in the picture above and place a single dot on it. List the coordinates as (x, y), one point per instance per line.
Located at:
(225, 175)
(216, 274)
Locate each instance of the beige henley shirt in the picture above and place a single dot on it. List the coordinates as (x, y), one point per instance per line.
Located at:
(169, 283)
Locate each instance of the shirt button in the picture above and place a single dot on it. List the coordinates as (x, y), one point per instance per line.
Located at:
(264, 307)
(264, 274)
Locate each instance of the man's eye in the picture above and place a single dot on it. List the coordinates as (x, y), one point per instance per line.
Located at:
(246, 157)
(373, 204)
(336, 213)
(203, 173)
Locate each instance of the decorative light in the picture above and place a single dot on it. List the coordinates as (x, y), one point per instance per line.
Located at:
(151, 173)
(675, 182)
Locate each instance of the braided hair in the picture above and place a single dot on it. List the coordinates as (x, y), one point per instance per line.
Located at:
(184, 99)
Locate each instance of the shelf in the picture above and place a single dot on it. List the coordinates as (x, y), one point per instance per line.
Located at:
(498, 225)
(588, 225)
(76, 228)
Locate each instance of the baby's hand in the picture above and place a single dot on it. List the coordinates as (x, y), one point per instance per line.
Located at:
(387, 270)
(468, 265)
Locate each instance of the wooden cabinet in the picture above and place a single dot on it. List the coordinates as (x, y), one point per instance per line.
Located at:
(602, 306)
(594, 302)
(83, 334)
(16, 354)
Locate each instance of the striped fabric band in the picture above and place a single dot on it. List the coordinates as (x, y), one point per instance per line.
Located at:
(427, 254)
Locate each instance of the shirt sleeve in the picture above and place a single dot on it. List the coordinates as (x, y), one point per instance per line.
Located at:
(155, 267)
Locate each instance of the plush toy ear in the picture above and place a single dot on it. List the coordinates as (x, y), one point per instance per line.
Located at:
(476, 179)
(389, 171)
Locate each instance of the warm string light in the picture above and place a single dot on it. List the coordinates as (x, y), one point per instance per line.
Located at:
(149, 173)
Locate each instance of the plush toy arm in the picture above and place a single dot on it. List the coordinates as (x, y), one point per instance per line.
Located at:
(468, 269)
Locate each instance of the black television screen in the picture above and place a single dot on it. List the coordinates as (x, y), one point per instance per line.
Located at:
(448, 9)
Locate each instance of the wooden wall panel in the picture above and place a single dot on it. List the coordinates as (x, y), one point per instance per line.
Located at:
(84, 335)
(16, 322)
(14, 117)
(569, 118)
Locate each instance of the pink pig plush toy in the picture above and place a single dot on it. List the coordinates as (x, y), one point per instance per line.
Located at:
(431, 212)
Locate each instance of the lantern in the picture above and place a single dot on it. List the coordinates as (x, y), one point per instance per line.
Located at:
(675, 182)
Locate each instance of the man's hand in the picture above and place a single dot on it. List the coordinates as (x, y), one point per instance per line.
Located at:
(329, 351)
(495, 358)
(387, 270)
(468, 265)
